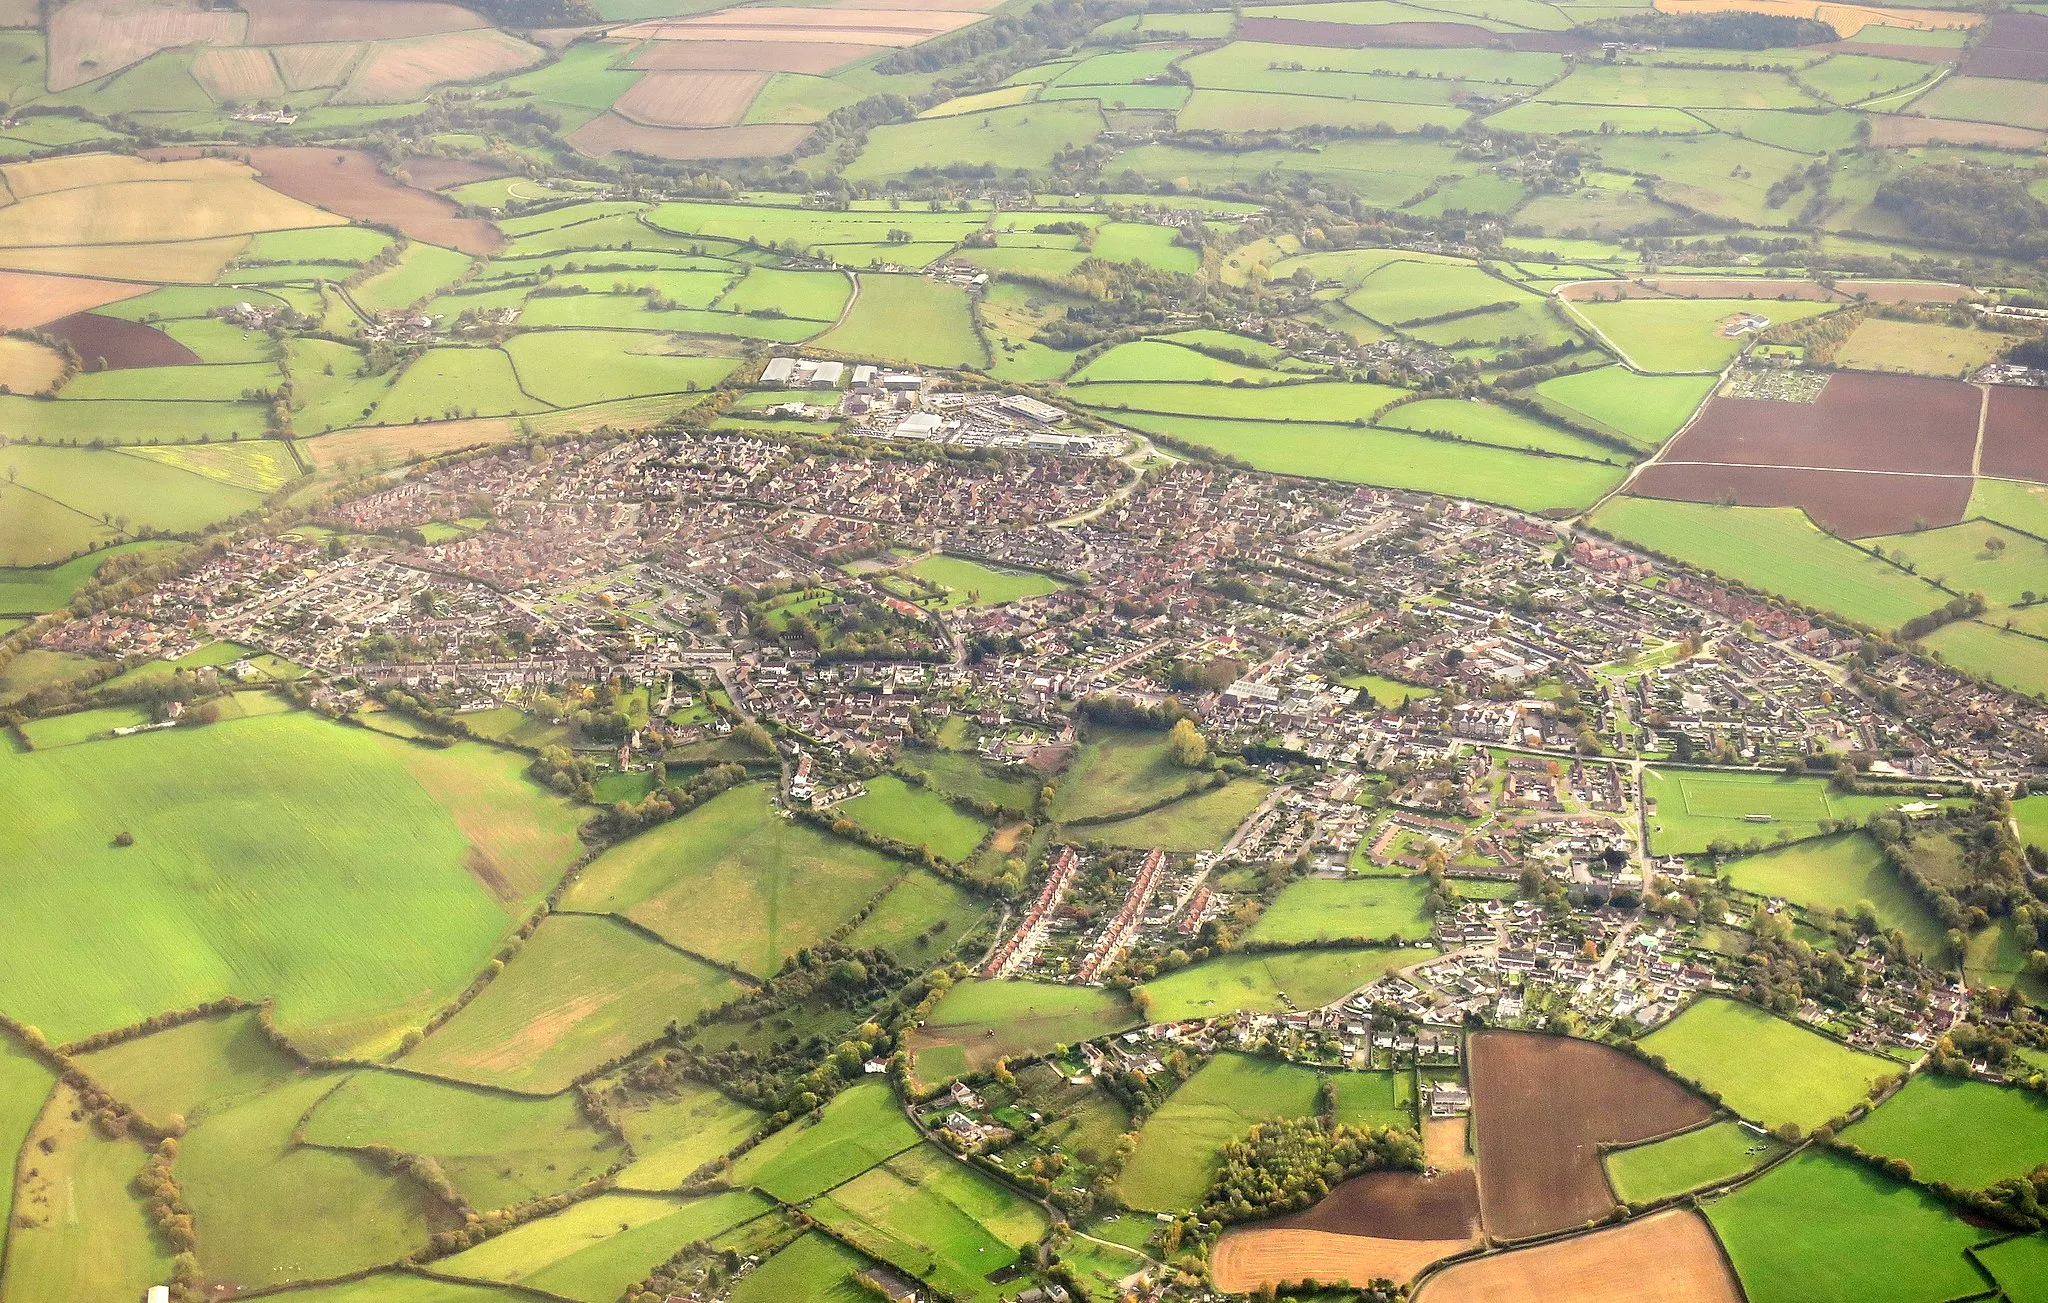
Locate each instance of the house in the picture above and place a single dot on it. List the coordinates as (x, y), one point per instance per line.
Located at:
(1449, 1100)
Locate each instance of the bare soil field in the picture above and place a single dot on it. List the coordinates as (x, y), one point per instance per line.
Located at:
(237, 72)
(609, 133)
(111, 344)
(28, 300)
(1542, 1107)
(2016, 433)
(1358, 36)
(1851, 503)
(1395, 1206)
(286, 22)
(27, 367)
(1672, 1257)
(749, 56)
(1859, 422)
(428, 172)
(349, 183)
(1894, 130)
(1443, 1145)
(1905, 291)
(875, 27)
(1246, 1258)
(690, 99)
(309, 67)
(2015, 46)
(91, 38)
(397, 71)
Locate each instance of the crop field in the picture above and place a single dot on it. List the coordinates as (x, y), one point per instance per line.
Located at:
(894, 809)
(926, 1212)
(1265, 983)
(1967, 1133)
(675, 1135)
(2009, 447)
(1841, 872)
(593, 1250)
(978, 1022)
(735, 882)
(1764, 1068)
(1697, 808)
(1918, 348)
(1542, 1106)
(1719, 1151)
(1178, 1145)
(1380, 909)
(1202, 822)
(860, 1127)
(1671, 1256)
(1819, 1224)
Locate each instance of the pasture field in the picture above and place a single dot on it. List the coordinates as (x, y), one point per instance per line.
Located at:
(966, 775)
(1500, 426)
(859, 1127)
(903, 318)
(192, 1070)
(675, 1135)
(1840, 872)
(978, 1022)
(81, 726)
(735, 881)
(1178, 1146)
(1271, 981)
(98, 483)
(1764, 1068)
(1407, 293)
(1681, 335)
(1643, 409)
(358, 900)
(970, 583)
(1718, 1151)
(25, 1085)
(1967, 1133)
(1024, 137)
(1647, 85)
(400, 1287)
(1918, 347)
(1975, 557)
(1379, 1099)
(2019, 1265)
(1697, 807)
(569, 368)
(1324, 402)
(1202, 822)
(2031, 814)
(894, 809)
(927, 1212)
(2012, 502)
(814, 1266)
(78, 1230)
(591, 1251)
(1776, 549)
(582, 991)
(2015, 660)
(1119, 770)
(498, 1149)
(1159, 360)
(1819, 1225)
(923, 916)
(1325, 909)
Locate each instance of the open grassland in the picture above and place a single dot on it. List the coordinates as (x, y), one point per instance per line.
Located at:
(1842, 872)
(78, 1231)
(927, 1212)
(593, 1250)
(1202, 822)
(2031, 814)
(498, 1149)
(25, 1083)
(1119, 770)
(572, 367)
(1696, 808)
(1719, 1151)
(1764, 1068)
(1325, 909)
(814, 1267)
(1967, 1133)
(979, 1022)
(1500, 426)
(860, 1127)
(1178, 1146)
(923, 916)
(192, 1070)
(1644, 409)
(894, 809)
(1918, 347)
(678, 1133)
(580, 993)
(1682, 334)
(735, 881)
(400, 1287)
(333, 879)
(2015, 660)
(908, 319)
(29, 592)
(1319, 401)
(1821, 1226)
(1976, 557)
(98, 484)
(2012, 502)
(1158, 360)
(1269, 982)
(2020, 1266)
(1778, 550)
(1026, 136)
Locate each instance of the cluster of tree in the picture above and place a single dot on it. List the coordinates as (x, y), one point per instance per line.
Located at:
(559, 768)
(163, 1200)
(1956, 608)
(1968, 867)
(667, 801)
(1123, 712)
(1289, 1164)
(1970, 205)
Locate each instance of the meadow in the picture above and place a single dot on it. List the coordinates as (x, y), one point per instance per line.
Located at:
(1764, 1068)
(1202, 822)
(1718, 1151)
(1841, 872)
(859, 1127)
(25, 1084)
(2019, 1265)
(1119, 770)
(676, 1134)
(593, 1250)
(928, 1213)
(1681, 335)
(1967, 1133)
(79, 1231)
(978, 1022)
(894, 809)
(1643, 409)
(1177, 1149)
(1326, 909)
(814, 1266)
(923, 915)
(193, 1069)
(966, 775)
(903, 318)
(1269, 982)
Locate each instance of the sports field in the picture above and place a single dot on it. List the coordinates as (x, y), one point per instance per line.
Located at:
(970, 583)
(1967, 1133)
(1764, 1068)
(1698, 807)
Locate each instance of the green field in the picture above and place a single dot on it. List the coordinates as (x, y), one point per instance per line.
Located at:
(593, 1250)
(1821, 1226)
(1662, 1168)
(1194, 823)
(1325, 909)
(2016, 660)
(1271, 981)
(135, 492)
(79, 1231)
(978, 1022)
(2020, 1266)
(1698, 807)
(1975, 557)
(400, 1287)
(813, 1267)
(923, 915)
(1178, 1145)
(1764, 1068)
(1025, 137)
(1841, 872)
(914, 816)
(929, 1213)
(1119, 770)
(1500, 426)
(676, 1134)
(735, 881)
(25, 1084)
(2012, 502)
(966, 775)
(2031, 814)
(193, 1069)
(1966, 1133)
(908, 319)
(860, 1127)
(1379, 1099)
(29, 592)
(970, 583)
(1644, 409)
(1682, 334)
(1315, 400)
(1778, 550)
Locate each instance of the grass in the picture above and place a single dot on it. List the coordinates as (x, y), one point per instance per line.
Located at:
(498, 1149)
(859, 1127)
(1326, 909)
(2013, 659)
(399, 1287)
(192, 1070)
(1500, 426)
(24, 1086)
(593, 1250)
(1682, 334)
(970, 583)
(1323, 402)
(2020, 1266)
(2031, 814)
(930, 1214)
(1270, 982)
(79, 1231)
(814, 1267)
(1821, 1226)
(1380, 1099)
(1842, 872)
(571, 367)
(679, 1133)
(1025, 137)
(420, 272)
(450, 383)
(1975, 557)
(894, 809)
(1155, 359)
(1697, 807)
(1764, 1068)
(146, 494)
(2011, 502)
(338, 871)
(81, 726)
(905, 318)
(1119, 770)
(1178, 1146)
(1918, 347)
(1643, 409)
(921, 917)
(978, 1022)
(1387, 692)
(966, 775)
(1662, 1168)
(580, 993)
(1967, 1133)
(735, 881)
(1202, 822)
(1776, 549)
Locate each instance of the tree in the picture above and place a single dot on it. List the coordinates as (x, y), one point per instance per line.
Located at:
(1187, 744)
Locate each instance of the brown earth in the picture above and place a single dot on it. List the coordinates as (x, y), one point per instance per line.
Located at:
(111, 344)
(881, 27)
(2016, 433)
(1905, 291)
(1911, 53)
(2014, 45)
(1248, 1258)
(394, 72)
(292, 22)
(307, 67)
(1443, 1145)
(690, 99)
(1894, 130)
(28, 299)
(1859, 422)
(749, 56)
(239, 72)
(348, 182)
(1542, 1107)
(91, 38)
(1699, 287)
(1672, 1257)
(428, 172)
(1395, 1206)
(609, 133)
(1852, 504)
(1355, 36)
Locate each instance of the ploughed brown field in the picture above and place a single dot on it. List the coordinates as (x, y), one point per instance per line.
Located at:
(1671, 1257)
(2016, 433)
(749, 56)
(690, 99)
(1542, 1108)
(1854, 504)
(288, 22)
(2015, 45)
(1358, 36)
(1896, 131)
(1246, 1258)
(348, 182)
(609, 133)
(29, 299)
(111, 344)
